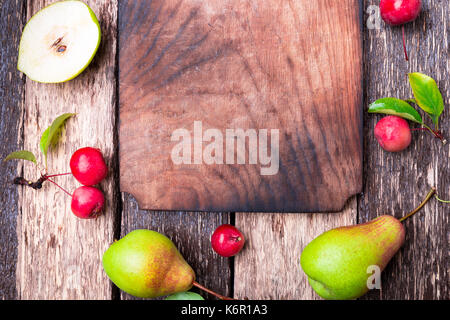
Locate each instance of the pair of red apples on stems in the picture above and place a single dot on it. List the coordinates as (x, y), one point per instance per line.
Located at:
(88, 166)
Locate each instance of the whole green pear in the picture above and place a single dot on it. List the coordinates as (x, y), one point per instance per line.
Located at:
(147, 264)
(337, 261)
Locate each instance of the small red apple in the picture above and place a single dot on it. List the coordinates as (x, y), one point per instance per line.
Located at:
(393, 133)
(87, 202)
(227, 240)
(398, 12)
(88, 166)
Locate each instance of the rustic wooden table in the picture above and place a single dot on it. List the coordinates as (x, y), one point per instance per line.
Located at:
(47, 254)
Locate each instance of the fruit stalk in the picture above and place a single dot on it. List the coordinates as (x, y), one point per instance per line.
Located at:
(440, 200)
(58, 175)
(21, 181)
(38, 184)
(436, 133)
(428, 197)
(196, 284)
(67, 192)
(404, 43)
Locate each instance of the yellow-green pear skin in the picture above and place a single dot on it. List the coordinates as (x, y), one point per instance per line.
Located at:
(337, 261)
(147, 264)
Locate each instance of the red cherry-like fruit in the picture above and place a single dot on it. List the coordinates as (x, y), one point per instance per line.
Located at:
(87, 202)
(88, 166)
(398, 12)
(227, 240)
(393, 133)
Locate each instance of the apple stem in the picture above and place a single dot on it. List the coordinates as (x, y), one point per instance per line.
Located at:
(404, 43)
(58, 175)
(38, 184)
(68, 193)
(34, 185)
(428, 197)
(436, 133)
(198, 285)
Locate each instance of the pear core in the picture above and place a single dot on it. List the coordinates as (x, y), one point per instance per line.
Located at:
(59, 42)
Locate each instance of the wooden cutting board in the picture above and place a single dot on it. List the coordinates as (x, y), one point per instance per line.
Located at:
(231, 105)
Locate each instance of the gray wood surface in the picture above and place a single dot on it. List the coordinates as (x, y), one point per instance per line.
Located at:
(269, 265)
(59, 255)
(393, 184)
(12, 18)
(396, 183)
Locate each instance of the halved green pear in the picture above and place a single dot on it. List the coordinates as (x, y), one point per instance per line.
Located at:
(59, 42)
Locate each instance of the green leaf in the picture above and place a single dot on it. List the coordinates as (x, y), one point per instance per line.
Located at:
(396, 107)
(21, 155)
(50, 137)
(44, 140)
(185, 296)
(427, 94)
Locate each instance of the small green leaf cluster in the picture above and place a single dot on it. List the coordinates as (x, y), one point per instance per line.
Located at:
(50, 138)
(426, 95)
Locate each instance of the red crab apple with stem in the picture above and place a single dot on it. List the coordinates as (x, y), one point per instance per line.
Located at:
(88, 166)
(227, 240)
(399, 12)
(87, 202)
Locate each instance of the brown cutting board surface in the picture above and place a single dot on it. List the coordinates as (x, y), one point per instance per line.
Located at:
(231, 105)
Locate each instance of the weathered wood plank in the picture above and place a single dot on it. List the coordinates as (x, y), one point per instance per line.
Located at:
(396, 183)
(191, 234)
(269, 265)
(59, 255)
(12, 84)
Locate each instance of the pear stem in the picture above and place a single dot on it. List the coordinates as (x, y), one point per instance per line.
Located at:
(429, 196)
(440, 200)
(198, 285)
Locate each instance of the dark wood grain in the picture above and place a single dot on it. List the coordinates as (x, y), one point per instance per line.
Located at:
(189, 231)
(282, 237)
(191, 234)
(292, 66)
(396, 183)
(12, 17)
